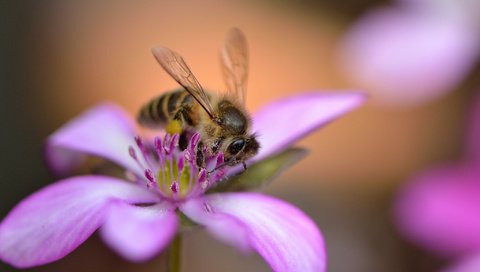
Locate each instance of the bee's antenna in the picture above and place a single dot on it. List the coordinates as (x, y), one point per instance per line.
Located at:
(225, 164)
(217, 168)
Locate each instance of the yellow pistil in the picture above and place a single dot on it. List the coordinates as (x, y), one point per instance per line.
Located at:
(165, 177)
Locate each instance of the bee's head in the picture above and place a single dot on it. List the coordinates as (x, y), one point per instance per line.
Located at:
(241, 149)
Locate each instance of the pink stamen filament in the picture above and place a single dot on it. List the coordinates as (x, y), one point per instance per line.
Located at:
(168, 156)
(144, 151)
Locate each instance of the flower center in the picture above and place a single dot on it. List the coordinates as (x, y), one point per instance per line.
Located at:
(172, 172)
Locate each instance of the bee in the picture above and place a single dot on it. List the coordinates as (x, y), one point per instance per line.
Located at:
(222, 121)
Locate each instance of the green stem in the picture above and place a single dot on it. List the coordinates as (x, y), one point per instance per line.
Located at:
(174, 254)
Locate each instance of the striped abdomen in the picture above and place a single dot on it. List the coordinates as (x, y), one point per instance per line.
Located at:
(160, 110)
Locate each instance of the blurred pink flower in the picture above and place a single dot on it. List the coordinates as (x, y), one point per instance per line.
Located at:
(414, 51)
(439, 209)
(139, 216)
(467, 264)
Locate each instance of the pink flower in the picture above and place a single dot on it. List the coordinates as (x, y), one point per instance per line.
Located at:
(468, 264)
(439, 209)
(413, 51)
(138, 215)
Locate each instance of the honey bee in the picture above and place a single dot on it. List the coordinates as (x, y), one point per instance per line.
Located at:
(222, 121)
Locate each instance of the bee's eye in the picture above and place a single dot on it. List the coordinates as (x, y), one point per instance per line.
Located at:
(236, 146)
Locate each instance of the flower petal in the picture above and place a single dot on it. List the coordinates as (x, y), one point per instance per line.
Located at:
(283, 235)
(138, 233)
(439, 209)
(222, 226)
(473, 136)
(379, 53)
(297, 116)
(52, 222)
(105, 131)
(468, 264)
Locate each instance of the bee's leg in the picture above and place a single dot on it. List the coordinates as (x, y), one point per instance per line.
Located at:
(216, 145)
(244, 166)
(183, 140)
(175, 126)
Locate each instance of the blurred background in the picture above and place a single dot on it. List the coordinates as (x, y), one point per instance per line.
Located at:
(60, 57)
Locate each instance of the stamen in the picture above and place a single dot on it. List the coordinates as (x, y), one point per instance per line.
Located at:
(157, 142)
(149, 175)
(172, 172)
(174, 187)
(193, 170)
(220, 160)
(180, 165)
(166, 144)
(139, 142)
(192, 146)
(202, 179)
(188, 156)
(132, 152)
(170, 143)
(202, 175)
(144, 151)
(173, 142)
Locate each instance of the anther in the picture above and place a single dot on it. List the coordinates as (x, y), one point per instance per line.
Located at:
(202, 175)
(170, 172)
(188, 156)
(174, 187)
(132, 153)
(166, 144)
(220, 159)
(193, 142)
(180, 164)
(202, 179)
(149, 175)
(139, 142)
(157, 142)
(174, 141)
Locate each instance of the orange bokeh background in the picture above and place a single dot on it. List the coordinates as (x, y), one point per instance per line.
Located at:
(79, 53)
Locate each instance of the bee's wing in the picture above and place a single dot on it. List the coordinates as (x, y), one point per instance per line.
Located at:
(234, 59)
(176, 67)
